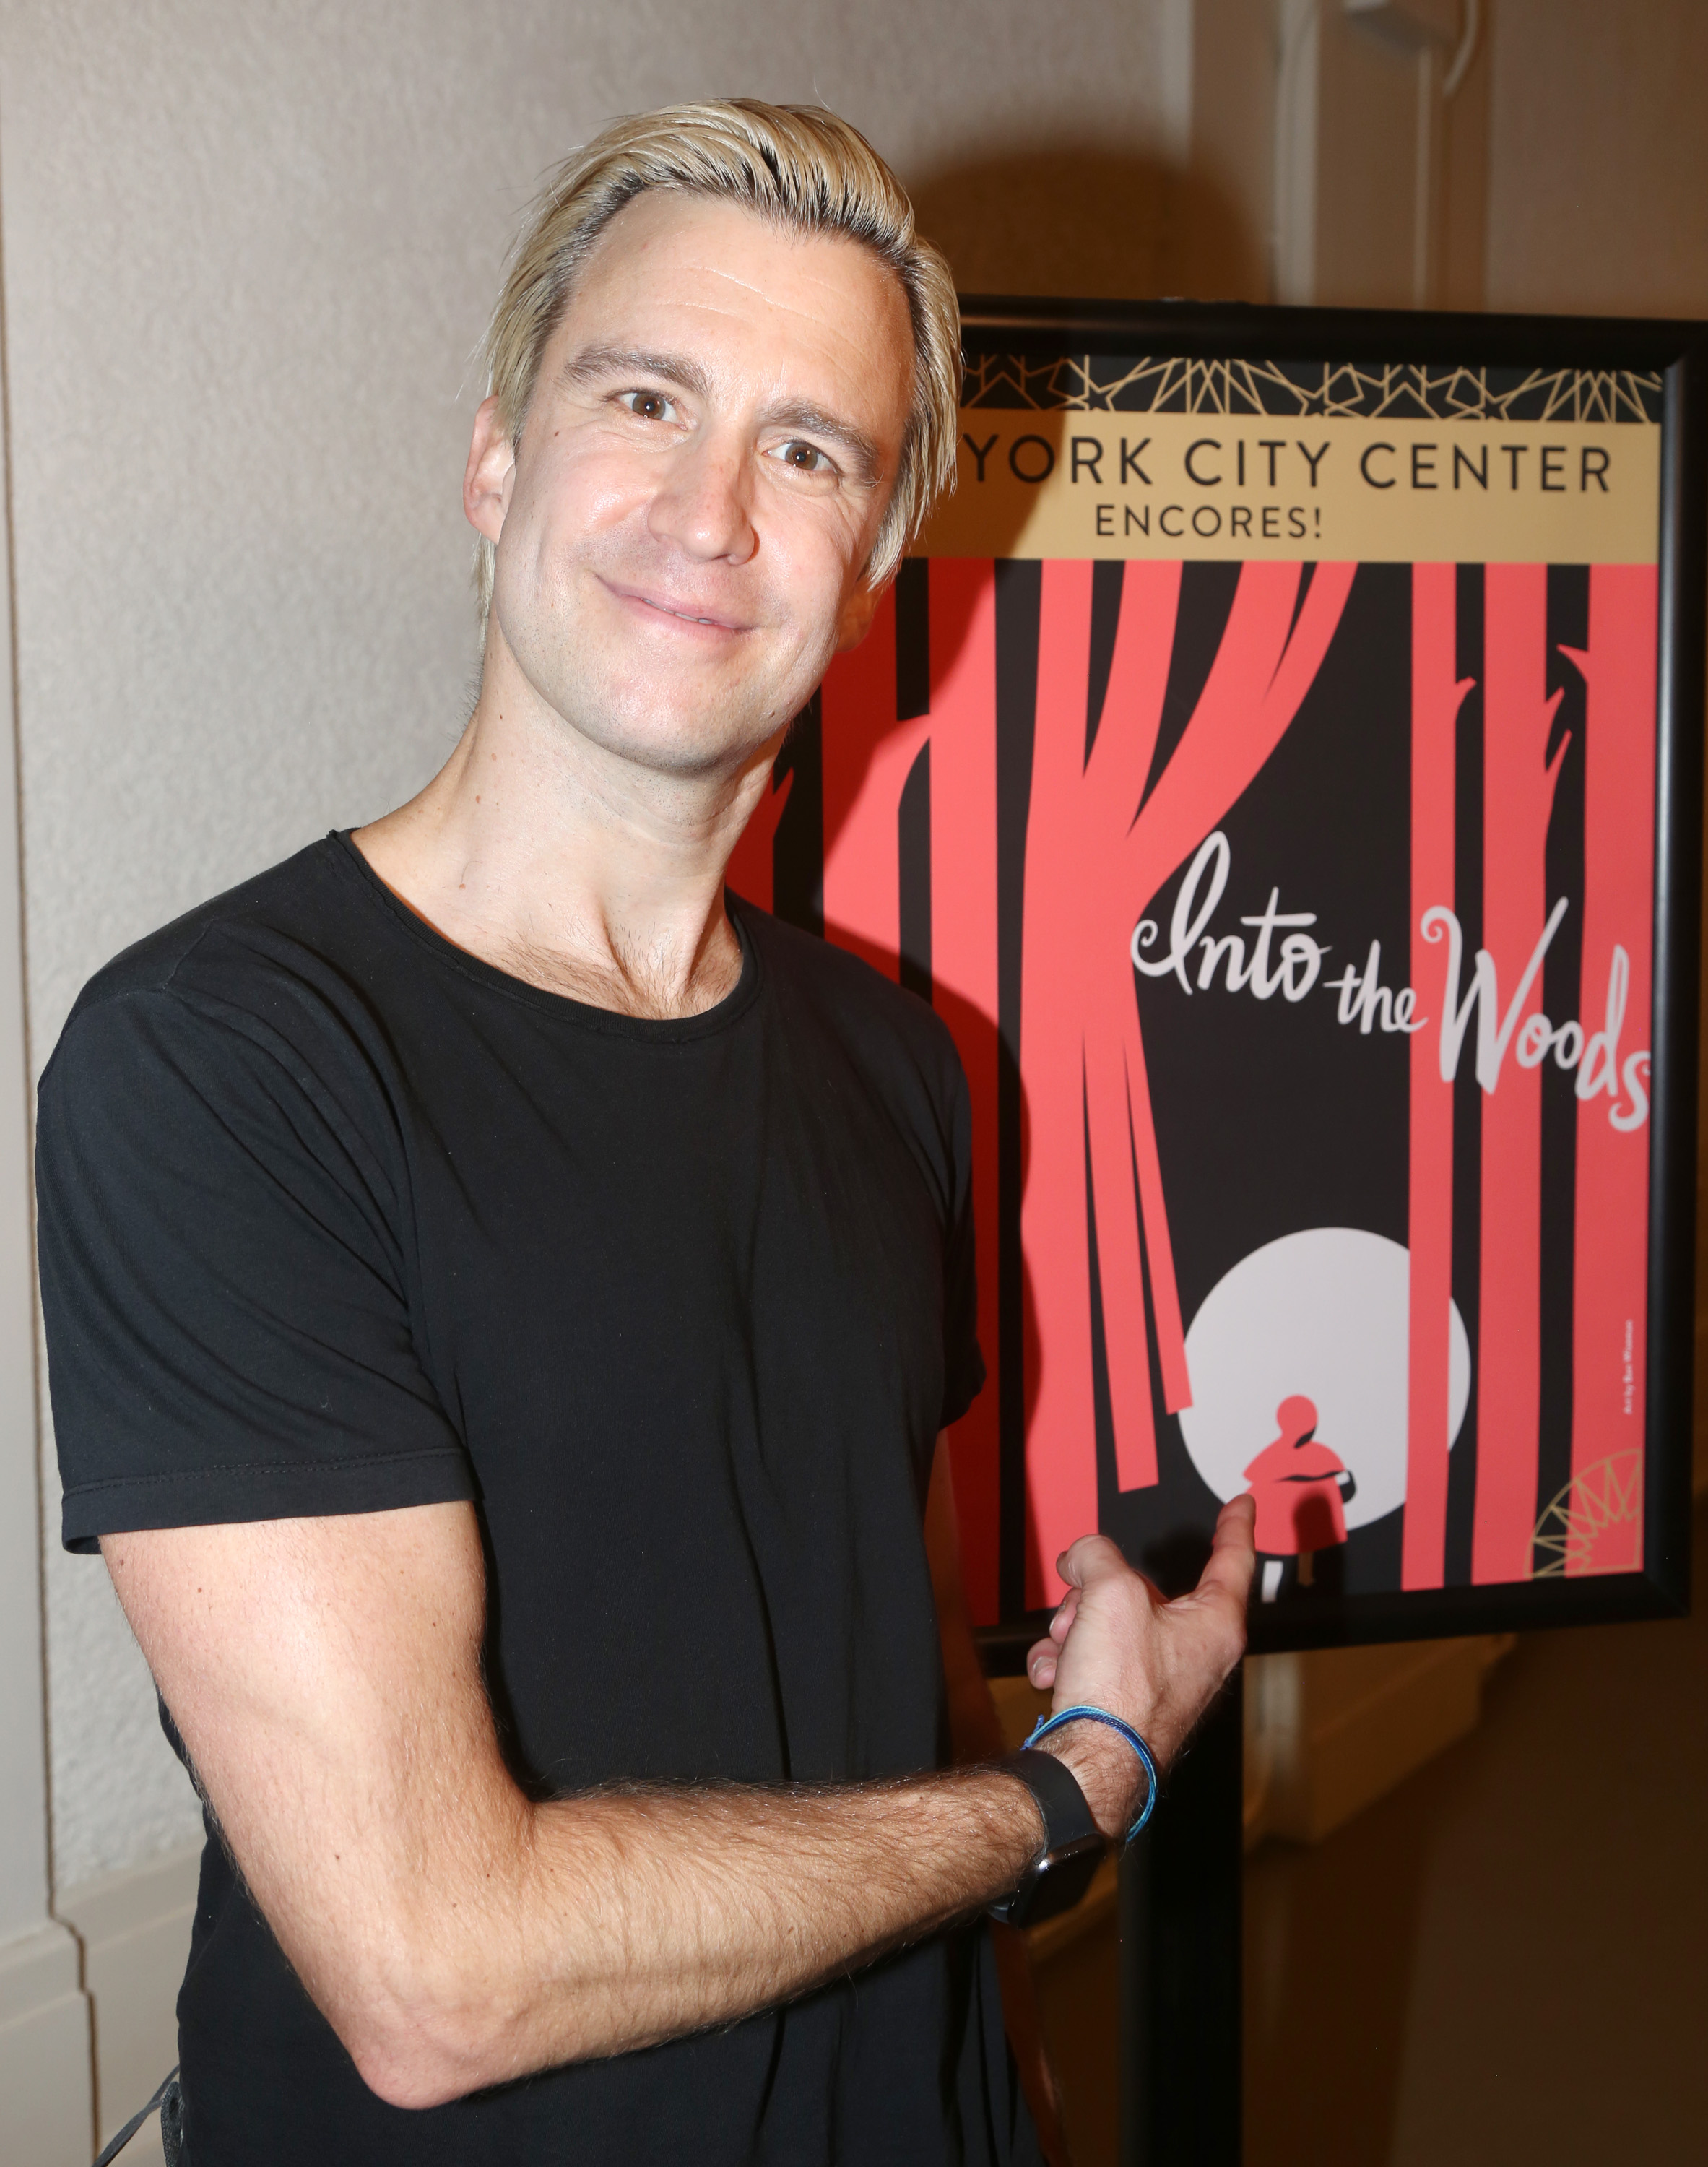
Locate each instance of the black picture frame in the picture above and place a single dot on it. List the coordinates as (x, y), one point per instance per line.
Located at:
(1048, 330)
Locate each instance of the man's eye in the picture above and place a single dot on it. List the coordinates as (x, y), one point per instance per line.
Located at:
(650, 405)
(804, 458)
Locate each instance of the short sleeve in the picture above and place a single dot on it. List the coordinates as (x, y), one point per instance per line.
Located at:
(963, 1363)
(224, 1281)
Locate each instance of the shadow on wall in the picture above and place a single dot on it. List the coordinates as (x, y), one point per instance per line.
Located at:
(1086, 222)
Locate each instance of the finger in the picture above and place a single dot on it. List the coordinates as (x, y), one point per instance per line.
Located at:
(1092, 1557)
(1236, 1524)
(1041, 1663)
(1233, 1557)
(1237, 1518)
(1066, 1611)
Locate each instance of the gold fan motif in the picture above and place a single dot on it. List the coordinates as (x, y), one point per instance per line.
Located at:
(1595, 1522)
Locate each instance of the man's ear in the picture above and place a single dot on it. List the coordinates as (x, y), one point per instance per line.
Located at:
(857, 611)
(486, 479)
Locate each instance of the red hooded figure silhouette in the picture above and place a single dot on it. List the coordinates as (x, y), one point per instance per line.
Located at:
(1301, 1487)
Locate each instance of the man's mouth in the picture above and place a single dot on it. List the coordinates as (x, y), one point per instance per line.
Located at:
(682, 613)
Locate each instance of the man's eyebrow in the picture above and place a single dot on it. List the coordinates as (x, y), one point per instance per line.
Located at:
(594, 362)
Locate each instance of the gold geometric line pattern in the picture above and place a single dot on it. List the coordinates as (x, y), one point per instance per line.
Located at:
(1608, 1494)
(1176, 383)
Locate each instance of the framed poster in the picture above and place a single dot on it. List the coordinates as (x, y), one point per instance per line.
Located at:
(1279, 766)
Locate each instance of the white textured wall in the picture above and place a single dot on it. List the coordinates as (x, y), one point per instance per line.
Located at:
(247, 250)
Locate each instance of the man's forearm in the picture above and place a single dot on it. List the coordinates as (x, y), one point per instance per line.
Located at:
(326, 1676)
(639, 1914)
(454, 1933)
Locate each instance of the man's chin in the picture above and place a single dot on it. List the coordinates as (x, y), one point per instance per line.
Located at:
(685, 738)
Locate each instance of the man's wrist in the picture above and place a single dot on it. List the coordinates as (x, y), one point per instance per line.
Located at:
(1107, 1770)
(1061, 1870)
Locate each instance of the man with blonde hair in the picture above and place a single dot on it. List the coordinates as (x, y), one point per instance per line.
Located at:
(504, 1295)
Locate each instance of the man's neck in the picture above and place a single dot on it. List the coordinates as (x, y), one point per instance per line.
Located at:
(570, 866)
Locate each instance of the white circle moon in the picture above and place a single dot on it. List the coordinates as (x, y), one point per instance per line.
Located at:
(1324, 1313)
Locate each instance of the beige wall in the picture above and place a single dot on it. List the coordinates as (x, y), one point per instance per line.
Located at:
(1598, 196)
(1570, 172)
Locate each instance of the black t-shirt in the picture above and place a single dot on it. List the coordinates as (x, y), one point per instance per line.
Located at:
(337, 1217)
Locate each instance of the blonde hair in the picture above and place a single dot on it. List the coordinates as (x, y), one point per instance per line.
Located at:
(798, 165)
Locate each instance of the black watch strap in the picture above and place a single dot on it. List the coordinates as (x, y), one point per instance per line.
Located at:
(1073, 1844)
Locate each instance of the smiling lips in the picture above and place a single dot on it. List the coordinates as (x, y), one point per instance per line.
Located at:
(667, 609)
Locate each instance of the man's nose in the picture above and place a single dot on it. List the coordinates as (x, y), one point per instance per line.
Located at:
(703, 505)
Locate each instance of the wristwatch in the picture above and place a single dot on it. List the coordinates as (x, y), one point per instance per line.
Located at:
(1073, 1843)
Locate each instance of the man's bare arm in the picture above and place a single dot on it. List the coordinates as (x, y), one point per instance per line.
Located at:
(325, 1676)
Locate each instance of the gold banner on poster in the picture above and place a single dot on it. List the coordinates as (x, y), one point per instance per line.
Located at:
(1057, 483)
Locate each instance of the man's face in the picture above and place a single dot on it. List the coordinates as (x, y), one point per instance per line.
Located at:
(699, 480)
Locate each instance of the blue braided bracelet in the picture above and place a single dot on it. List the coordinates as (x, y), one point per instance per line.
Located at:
(1045, 1725)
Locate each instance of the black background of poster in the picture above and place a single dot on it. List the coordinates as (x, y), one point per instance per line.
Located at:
(1272, 1116)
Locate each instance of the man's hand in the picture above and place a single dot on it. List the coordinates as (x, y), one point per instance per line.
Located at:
(1114, 1643)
